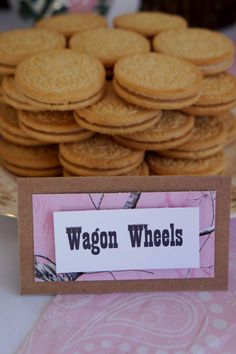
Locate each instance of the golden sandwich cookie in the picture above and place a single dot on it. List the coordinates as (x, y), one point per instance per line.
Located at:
(14, 98)
(173, 129)
(112, 115)
(70, 24)
(209, 137)
(11, 131)
(229, 121)
(141, 170)
(218, 95)
(149, 23)
(99, 156)
(28, 161)
(162, 165)
(60, 80)
(157, 81)
(18, 45)
(52, 127)
(212, 52)
(109, 44)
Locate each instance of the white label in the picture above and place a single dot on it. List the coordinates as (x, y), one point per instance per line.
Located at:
(126, 239)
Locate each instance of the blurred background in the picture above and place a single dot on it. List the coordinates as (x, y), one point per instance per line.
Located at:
(199, 13)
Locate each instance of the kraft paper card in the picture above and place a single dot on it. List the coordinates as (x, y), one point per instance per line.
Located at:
(119, 234)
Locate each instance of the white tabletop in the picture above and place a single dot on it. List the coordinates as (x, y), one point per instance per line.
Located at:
(18, 313)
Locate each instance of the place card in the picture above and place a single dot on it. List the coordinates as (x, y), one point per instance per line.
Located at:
(116, 234)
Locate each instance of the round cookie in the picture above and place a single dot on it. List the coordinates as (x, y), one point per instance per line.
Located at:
(109, 44)
(192, 155)
(157, 81)
(218, 95)
(60, 77)
(100, 152)
(207, 133)
(53, 127)
(70, 24)
(173, 129)
(209, 136)
(112, 115)
(153, 103)
(1, 91)
(149, 23)
(32, 172)
(30, 161)
(13, 97)
(161, 165)
(17, 45)
(10, 128)
(80, 170)
(212, 52)
(141, 170)
(229, 121)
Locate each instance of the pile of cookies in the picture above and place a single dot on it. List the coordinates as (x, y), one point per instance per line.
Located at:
(149, 96)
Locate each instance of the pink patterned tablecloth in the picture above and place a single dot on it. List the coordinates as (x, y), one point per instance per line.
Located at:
(140, 323)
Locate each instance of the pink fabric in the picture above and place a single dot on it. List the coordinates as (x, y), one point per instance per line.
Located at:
(140, 323)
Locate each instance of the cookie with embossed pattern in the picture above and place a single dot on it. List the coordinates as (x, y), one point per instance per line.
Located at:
(149, 23)
(109, 44)
(99, 154)
(212, 52)
(218, 95)
(229, 121)
(80, 170)
(141, 170)
(63, 78)
(10, 128)
(52, 127)
(173, 129)
(14, 98)
(162, 165)
(1, 91)
(157, 81)
(31, 172)
(70, 24)
(112, 115)
(30, 161)
(209, 137)
(17, 45)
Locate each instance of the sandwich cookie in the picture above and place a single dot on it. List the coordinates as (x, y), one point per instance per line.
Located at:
(141, 170)
(157, 81)
(25, 161)
(18, 45)
(14, 98)
(209, 136)
(229, 121)
(11, 130)
(109, 44)
(1, 91)
(99, 156)
(52, 127)
(70, 24)
(173, 129)
(162, 165)
(211, 51)
(218, 95)
(149, 23)
(112, 115)
(61, 80)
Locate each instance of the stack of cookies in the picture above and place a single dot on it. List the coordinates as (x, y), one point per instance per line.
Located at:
(107, 105)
